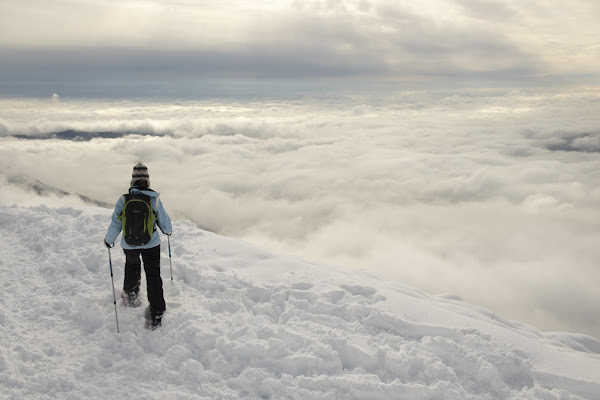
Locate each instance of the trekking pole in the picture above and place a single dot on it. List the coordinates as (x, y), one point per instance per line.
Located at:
(113, 288)
(170, 262)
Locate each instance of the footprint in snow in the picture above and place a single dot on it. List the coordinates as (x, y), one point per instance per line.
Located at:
(366, 292)
(302, 286)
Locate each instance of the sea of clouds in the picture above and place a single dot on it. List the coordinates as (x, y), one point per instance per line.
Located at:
(492, 195)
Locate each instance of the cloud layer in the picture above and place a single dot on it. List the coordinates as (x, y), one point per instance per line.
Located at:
(184, 48)
(478, 193)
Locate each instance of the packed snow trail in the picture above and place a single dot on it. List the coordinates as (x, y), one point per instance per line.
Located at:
(244, 323)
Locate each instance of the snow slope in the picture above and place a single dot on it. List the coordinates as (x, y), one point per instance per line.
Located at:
(244, 323)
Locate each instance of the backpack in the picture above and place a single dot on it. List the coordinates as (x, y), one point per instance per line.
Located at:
(137, 219)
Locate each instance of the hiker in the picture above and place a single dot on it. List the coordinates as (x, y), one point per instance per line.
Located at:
(138, 222)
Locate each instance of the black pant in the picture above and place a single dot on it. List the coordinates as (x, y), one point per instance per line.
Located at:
(133, 276)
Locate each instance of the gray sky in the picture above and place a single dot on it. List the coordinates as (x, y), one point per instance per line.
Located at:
(206, 48)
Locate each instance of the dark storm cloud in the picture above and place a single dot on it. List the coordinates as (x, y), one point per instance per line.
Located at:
(169, 73)
(183, 46)
(136, 63)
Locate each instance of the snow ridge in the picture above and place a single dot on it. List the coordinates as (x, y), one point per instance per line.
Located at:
(244, 323)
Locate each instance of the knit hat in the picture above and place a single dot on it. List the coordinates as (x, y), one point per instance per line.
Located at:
(140, 172)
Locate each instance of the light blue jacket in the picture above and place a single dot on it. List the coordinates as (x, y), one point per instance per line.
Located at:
(163, 219)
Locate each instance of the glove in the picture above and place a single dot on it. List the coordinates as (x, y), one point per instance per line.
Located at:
(108, 245)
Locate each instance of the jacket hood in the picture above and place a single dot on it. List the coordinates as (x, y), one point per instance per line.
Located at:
(148, 192)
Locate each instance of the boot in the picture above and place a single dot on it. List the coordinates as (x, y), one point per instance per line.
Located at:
(156, 321)
(131, 299)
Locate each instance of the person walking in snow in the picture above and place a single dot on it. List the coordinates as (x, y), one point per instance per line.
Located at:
(137, 215)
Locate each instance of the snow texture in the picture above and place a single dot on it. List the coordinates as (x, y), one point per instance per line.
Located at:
(244, 323)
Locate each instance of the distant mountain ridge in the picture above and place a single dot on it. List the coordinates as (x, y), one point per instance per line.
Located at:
(43, 189)
(83, 136)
